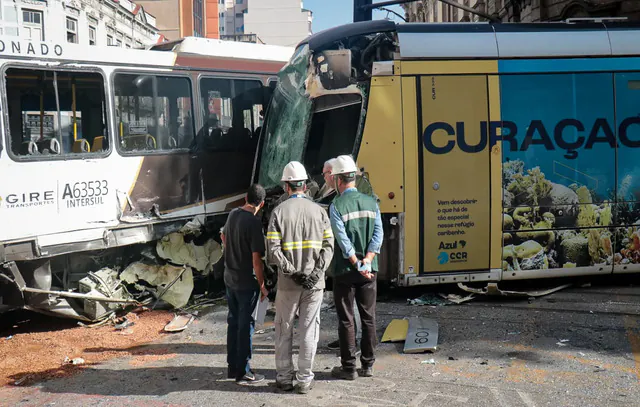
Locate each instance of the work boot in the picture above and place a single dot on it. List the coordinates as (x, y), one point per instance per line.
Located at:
(284, 386)
(339, 373)
(335, 345)
(365, 371)
(250, 378)
(304, 388)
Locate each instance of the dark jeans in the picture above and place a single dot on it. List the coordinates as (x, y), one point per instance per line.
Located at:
(347, 288)
(240, 329)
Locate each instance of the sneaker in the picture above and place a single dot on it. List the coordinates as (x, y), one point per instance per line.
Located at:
(250, 378)
(284, 386)
(339, 373)
(304, 388)
(366, 372)
(334, 345)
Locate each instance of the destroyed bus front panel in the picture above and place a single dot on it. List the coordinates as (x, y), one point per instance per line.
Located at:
(496, 151)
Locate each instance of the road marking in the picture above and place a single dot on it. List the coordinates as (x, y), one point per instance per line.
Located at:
(526, 399)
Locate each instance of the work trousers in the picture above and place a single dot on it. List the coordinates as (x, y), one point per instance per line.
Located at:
(347, 288)
(240, 329)
(307, 303)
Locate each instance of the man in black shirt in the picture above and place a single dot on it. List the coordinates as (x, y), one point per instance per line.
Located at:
(244, 248)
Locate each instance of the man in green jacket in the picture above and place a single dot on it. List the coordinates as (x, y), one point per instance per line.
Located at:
(357, 226)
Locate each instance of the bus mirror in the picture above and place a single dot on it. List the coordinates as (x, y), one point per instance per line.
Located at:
(333, 67)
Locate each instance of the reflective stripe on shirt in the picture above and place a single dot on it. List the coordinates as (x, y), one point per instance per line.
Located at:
(358, 215)
(306, 244)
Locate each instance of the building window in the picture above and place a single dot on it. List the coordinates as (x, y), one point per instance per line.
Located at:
(72, 30)
(119, 43)
(109, 40)
(198, 28)
(92, 35)
(238, 1)
(32, 24)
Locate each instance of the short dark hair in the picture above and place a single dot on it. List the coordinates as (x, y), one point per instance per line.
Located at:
(296, 186)
(256, 194)
(347, 178)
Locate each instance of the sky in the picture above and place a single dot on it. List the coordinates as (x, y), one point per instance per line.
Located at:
(330, 13)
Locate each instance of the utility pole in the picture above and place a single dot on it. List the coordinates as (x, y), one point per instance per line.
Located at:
(360, 12)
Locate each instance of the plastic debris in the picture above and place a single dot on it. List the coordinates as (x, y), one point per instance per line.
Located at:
(428, 362)
(74, 361)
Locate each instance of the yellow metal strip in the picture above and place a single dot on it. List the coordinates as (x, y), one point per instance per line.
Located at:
(448, 67)
(496, 178)
(411, 200)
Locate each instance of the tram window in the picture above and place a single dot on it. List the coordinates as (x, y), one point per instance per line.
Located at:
(54, 113)
(153, 113)
(232, 109)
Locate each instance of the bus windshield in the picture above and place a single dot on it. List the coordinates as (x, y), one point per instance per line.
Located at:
(287, 121)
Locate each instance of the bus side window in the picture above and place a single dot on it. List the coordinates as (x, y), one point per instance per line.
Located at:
(56, 113)
(231, 108)
(153, 112)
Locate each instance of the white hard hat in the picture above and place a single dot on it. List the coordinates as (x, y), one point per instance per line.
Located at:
(344, 164)
(294, 171)
(330, 162)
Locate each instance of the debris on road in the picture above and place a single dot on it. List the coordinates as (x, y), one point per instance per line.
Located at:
(422, 335)
(34, 354)
(493, 290)
(428, 362)
(439, 299)
(179, 323)
(396, 331)
(74, 361)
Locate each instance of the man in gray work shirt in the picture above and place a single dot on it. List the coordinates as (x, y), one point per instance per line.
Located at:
(300, 243)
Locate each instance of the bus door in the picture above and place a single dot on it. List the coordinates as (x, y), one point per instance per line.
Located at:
(454, 173)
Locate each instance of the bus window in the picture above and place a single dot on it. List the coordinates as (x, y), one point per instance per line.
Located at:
(232, 112)
(153, 112)
(56, 113)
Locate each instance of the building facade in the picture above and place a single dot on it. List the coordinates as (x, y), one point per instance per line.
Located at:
(94, 22)
(522, 10)
(278, 22)
(185, 18)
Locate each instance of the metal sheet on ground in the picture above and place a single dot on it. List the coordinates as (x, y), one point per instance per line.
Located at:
(396, 331)
(422, 335)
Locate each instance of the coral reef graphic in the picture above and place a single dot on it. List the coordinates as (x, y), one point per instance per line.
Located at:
(548, 225)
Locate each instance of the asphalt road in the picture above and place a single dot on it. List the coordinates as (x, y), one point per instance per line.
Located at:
(577, 347)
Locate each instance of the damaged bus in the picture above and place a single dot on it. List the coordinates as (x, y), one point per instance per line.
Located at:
(118, 166)
(498, 151)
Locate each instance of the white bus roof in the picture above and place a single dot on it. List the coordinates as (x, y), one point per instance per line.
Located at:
(159, 55)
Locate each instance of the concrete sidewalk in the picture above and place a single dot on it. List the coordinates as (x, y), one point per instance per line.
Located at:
(577, 347)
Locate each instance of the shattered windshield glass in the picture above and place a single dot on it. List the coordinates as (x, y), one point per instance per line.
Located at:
(287, 122)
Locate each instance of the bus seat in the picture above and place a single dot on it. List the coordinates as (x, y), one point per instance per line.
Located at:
(49, 146)
(140, 142)
(28, 148)
(81, 146)
(98, 143)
